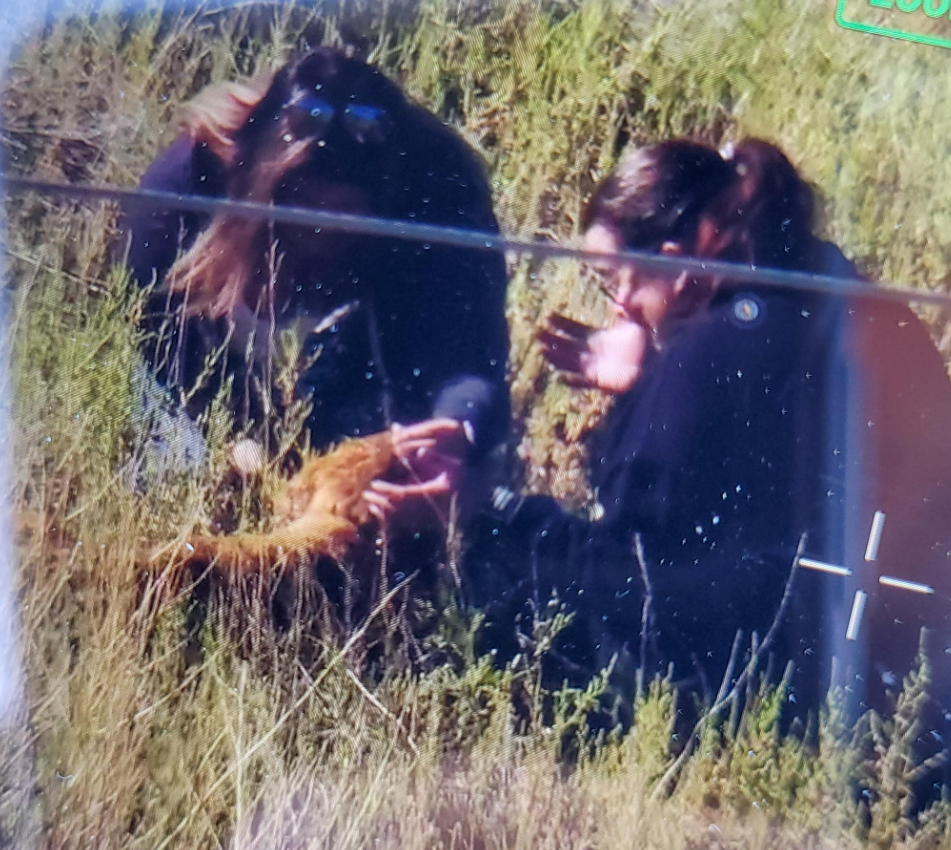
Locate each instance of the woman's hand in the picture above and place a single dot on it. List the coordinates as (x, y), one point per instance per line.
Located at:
(609, 359)
(433, 456)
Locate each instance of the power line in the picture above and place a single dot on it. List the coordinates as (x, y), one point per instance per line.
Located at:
(470, 239)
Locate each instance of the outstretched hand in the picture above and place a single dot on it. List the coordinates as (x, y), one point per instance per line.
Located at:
(609, 359)
(432, 454)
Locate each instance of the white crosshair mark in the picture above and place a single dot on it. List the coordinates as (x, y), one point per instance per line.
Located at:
(861, 597)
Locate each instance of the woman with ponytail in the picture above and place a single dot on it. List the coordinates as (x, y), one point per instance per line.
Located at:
(750, 419)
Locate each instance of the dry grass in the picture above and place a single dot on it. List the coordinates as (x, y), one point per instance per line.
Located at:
(144, 730)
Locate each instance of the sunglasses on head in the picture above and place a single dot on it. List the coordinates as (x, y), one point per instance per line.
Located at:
(362, 122)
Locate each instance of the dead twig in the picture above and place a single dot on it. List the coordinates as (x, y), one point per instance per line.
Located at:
(282, 720)
(382, 709)
(723, 698)
(645, 613)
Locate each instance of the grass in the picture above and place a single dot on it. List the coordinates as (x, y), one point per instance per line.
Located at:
(141, 733)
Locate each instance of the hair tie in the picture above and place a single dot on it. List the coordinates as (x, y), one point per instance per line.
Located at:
(728, 154)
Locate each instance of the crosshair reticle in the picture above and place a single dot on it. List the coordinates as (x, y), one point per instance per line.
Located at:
(861, 596)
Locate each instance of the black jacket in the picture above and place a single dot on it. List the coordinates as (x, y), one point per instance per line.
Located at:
(743, 435)
(438, 311)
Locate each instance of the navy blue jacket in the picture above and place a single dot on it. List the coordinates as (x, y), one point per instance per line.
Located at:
(743, 435)
(439, 311)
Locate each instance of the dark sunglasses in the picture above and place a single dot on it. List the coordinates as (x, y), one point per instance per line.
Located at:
(363, 123)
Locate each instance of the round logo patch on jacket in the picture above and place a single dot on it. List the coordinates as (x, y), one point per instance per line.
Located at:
(748, 310)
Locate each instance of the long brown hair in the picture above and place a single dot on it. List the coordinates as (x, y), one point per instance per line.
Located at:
(244, 125)
(215, 273)
(217, 112)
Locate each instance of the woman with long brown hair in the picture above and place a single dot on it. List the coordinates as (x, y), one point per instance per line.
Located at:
(313, 335)
(388, 330)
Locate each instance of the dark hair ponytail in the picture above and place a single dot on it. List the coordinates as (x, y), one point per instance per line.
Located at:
(765, 213)
(659, 192)
(749, 206)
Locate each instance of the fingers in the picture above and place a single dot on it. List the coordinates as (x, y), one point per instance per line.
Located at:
(565, 342)
(378, 505)
(434, 487)
(407, 448)
(568, 327)
(578, 381)
(383, 498)
(612, 297)
(552, 333)
(621, 311)
(551, 337)
(562, 353)
(428, 463)
(430, 428)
